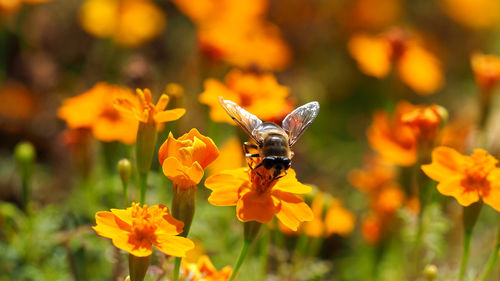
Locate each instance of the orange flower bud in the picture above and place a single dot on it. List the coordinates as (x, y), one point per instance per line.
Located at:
(184, 159)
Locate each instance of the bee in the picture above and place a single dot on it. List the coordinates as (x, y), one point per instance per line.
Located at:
(272, 142)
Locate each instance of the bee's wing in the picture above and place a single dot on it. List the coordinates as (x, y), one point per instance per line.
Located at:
(297, 122)
(245, 119)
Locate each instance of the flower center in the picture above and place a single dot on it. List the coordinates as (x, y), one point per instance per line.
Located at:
(260, 181)
(144, 223)
(109, 113)
(477, 168)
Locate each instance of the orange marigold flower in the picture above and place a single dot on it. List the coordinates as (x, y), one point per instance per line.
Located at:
(94, 109)
(257, 199)
(245, 46)
(237, 32)
(338, 220)
(371, 228)
(466, 12)
(393, 139)
(147, 112)
(12, 6)
(388, 199)
(425, 121)
(417, 67)
(184, 159)
(374, 14)
(258, 93)
(486, 70)
(118, 19)
(373, 54)
(375, 174)
(17, 103)
(204, 270)
(420, 70)
(137, 229)
(467, 178)
(458, 133)
(230, 156)
(315, 228)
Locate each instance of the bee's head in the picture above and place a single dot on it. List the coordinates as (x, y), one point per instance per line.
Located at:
(268, 162)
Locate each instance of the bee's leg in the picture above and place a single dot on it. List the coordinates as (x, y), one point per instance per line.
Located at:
(280, 176)
(258, 165)
(250, 156)
(246, 146)
(249, 144)
(292, 154)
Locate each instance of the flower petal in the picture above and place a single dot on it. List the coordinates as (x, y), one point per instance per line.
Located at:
(182, 175)
(491, 196)
(454, 187)
(173, 245)
(289, 183)
(109, 225)
(136, 247)
(162, 103)
(169, 115)
(168, 147)
(204, 154)
(338, 220)
(254, 206)
(446, 163)
(293, 210)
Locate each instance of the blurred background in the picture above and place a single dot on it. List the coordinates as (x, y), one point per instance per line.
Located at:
(353, 56)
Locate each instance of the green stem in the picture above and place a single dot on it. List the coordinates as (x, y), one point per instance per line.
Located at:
(138, 266)
(469, 219)
(183, 208)
(143, 184)
(492, 259)
(125, 194)
(264, 254)
(26, 191)
(465, 255)
(241, 258)
(177, 267)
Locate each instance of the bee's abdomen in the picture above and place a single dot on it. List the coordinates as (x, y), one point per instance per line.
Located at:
(275, 145)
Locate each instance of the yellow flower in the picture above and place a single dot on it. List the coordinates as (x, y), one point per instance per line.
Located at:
(94, 110)
(477, 14)
(417, 67)
(137, 229)
(12, 6)
(467, 178)
(486, 70)
(237, 32)
(373, 54)
(338, 220)
(147, 112)
(257, 93)
(256, 199)
(204, 270)
(230, 156)
(420, 70)
(373, 14)
(129, 22)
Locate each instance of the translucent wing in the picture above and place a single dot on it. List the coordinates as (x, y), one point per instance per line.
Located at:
(245, 119)
(297, 122)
